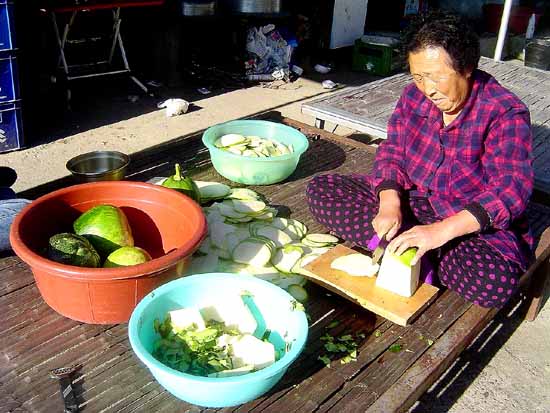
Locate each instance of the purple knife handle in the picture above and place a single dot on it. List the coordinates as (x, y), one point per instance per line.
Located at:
(373, 243)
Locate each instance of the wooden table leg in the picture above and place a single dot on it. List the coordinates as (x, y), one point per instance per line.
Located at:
(319, 123)
(537, 290)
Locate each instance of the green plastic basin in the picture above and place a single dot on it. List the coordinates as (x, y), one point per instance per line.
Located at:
(255, 171)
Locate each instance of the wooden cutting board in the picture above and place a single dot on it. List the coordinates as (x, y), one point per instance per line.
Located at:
(363, 291)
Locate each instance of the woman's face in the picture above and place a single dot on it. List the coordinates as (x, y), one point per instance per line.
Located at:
(434, 76)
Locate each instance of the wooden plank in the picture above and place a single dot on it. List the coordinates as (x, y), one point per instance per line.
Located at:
(364, 292)
(359, 393)
(314, 390)
(434, 362)
(349, 318)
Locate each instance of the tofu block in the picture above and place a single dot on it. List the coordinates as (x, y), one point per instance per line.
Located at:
(233, 372)
(251, 350)
(185, 318)
(397, 275)
(233, 312)
(225, 340)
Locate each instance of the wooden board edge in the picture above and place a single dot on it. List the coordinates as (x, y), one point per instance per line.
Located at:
(371, 306)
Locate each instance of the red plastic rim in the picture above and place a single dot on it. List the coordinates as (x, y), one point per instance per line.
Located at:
(119, 273)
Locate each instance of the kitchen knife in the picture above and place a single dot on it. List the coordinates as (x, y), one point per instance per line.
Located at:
(378, 246)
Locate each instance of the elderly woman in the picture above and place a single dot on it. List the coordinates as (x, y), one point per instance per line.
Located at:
(453, 177)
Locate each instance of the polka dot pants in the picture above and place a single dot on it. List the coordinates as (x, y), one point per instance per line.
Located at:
(468, 265)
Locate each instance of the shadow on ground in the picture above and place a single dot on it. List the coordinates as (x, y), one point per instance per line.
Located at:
(103, 101)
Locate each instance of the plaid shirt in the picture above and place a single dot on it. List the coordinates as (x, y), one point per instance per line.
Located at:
(480, 162)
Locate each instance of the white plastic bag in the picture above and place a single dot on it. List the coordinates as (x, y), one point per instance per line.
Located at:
(174, 107)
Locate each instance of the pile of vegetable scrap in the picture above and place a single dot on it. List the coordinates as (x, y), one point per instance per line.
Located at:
(344, 346)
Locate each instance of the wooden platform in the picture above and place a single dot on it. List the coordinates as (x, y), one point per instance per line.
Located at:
(368, 108)
(34, 339)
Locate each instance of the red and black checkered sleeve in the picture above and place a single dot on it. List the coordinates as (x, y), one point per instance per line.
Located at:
(508, 163)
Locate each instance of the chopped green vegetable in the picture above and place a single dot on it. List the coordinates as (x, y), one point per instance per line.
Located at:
(346, 337)
(297, 306)
(325, 360)
(430, 342)
(377, 333)
(345, 344)
(333, 324)
(395, 348)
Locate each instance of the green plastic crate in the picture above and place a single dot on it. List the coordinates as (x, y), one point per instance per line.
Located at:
(376, 58)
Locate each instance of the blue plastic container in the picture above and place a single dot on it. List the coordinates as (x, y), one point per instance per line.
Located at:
(255, 171)
(9, 84)
(272, 307)
(7, 36)
(11, 132)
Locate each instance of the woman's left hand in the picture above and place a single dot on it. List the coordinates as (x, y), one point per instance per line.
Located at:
(423, 237)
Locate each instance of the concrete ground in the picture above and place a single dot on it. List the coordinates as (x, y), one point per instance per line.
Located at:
(506, 369)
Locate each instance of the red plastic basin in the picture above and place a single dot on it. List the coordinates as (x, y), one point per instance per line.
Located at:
(169, 225)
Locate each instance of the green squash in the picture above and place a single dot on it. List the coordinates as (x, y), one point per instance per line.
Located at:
(183, 184)
(106, 227)
(126, 256)
(72, 249)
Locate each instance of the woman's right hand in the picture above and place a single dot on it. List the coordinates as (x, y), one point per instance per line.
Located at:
(389, 218)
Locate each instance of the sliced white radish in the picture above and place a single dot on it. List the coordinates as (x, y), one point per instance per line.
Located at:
(302, 262)
(355, 264)
(280, 238)
(285, 258)
(280, 223)
(239, 220)
(230, 139)
(298, 292)
(205, 246)
(218, 233)
(235, 150)
(322, 238)
(250, 152)
(244, 194)
(233, 239)
(228, 211)
(252, 252)
(248, 207)
(212, 190)
(267, 216)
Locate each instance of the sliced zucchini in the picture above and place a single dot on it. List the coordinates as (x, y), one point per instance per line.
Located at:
(280, 238)
(229, 139)
(212, 190)
(298, 292)
(252, 252)
(324, 239)
(249, 207)
(285, 258)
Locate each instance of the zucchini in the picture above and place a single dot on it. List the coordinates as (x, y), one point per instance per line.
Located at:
(298, 292)
(212, 190)
(252, 252)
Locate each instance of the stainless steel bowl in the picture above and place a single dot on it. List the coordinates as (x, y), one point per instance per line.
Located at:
(255, 6)
(99, 166)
